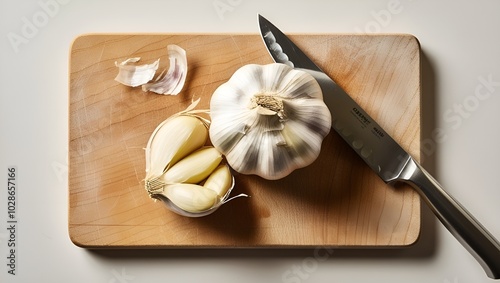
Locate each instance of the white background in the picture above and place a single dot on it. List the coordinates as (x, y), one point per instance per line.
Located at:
(460, 42)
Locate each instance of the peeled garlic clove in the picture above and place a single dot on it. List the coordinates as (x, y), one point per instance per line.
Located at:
(134, 75)
(172, 140)
(173, 80)
(220, 181)
(191, 198)
(194, 168)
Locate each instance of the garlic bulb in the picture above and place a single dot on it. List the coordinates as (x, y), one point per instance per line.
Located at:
(269, 120)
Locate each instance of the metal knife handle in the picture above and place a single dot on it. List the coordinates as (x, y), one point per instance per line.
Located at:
(469, 232)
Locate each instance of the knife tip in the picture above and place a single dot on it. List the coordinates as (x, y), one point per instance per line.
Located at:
(261, 19)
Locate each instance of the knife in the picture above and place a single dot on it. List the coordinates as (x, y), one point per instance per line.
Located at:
(384, 155)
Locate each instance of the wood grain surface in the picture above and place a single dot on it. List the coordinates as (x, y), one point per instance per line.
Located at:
(337, 201)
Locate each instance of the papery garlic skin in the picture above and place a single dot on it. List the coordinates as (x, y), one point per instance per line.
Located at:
(269, 120)
(168, 82)
(172, 81)
(135, 75)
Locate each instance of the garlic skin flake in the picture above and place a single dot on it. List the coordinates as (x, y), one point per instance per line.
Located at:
(269, 120)
(135, 75)
(173, 81)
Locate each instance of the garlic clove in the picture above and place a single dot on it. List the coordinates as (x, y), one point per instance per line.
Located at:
(194, 168)
(265, 154)
(172, 140)
(304, 138)
(133, 75)
(220, 180)
(191, 198)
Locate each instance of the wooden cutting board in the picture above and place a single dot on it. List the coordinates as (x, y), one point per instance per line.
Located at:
(337, 201)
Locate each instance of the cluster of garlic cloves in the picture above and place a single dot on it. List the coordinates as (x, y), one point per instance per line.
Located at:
(190, 177)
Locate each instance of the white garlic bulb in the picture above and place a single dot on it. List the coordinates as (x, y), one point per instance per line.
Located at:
(269, 120)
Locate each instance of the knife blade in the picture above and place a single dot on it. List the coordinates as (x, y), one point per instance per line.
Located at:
(384, 155)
